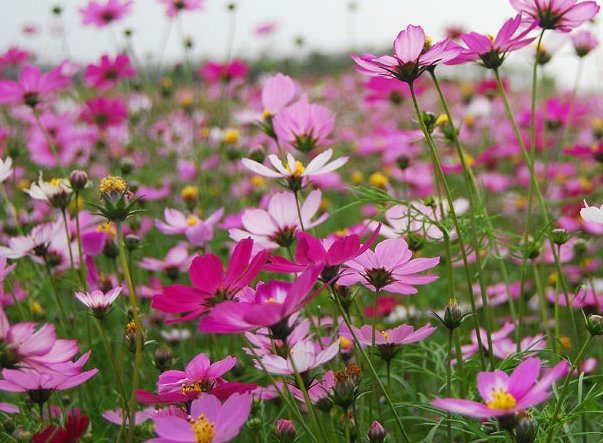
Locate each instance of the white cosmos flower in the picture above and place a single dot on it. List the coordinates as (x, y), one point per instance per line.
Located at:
(592, 213)
(6, 168)
(293, 169)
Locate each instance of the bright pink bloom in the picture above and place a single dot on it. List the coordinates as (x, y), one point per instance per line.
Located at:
(102, 14)
(278, 225)
(400, 335)
(104, 112)
(174, 7)
(389, 268)
(197, 231)
(413, 55)
(211, 421)
(97, 301)
(108, 73)
(211, 284)
(273, 303)
(278, 92)
(304, 126)
(504, 394)
(216, 72)
(492, 52)
(32, 87)
(13, 57)
(562, 15)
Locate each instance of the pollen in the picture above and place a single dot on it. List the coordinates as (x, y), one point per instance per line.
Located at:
(357, 177)
(108, 228)
(192, 220)
(266, 114)
(378, 180)
(501, 400)
(111, 183)
(203, 429)
(345, 343)
(342, 232)
(442, 118)
(385, 335)
(56, 181)
(299, 169)
(231, 136)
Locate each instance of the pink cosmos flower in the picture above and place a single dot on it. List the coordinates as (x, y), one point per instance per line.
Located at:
(264, 343)
(211, 284)
(305, 355)
(390, 268)
(176, 260)
(199, 376)
(104, 112)
(108, 73)
(562, 15)
(592, 213)
(25, 345)
(330, 253)
(504, 394)
(97, 301)
(491, 52)
(584, 42)
(319, 391)
(414, 54)
(272, 304)
(197, 231)
(13, 57)
(278, 91)
(304, 126)
(32, 87)
(116, 416)
(400, 335)
(102, 14)
(278, 225)
(35, 243)
(265, 28)
(211, 421)
(214, 73)
(174, 7)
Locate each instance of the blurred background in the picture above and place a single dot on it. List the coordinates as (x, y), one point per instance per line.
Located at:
(267, 30)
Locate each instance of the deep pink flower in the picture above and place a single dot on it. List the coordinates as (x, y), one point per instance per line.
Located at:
(13, 57)
(491, 52)
(389, 268)
(211, 284)
(213, 72)
(32, 87)
(102, 14)
(304, 126)
(108, 73)
(104, 112)
(504, 394)
(414, 53)
(272, 304)
(174, 7)
(562, 15)
(74, 428)
(211, 421)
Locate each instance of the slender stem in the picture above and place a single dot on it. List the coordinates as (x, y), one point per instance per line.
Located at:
(388, 365)
(372, 350)
(49, 142)
(68, 238)
(460, 364)
(55, 293)
(543, 311)
(82, 267)
(138, 330)
(299, 215)
(440, 174)
(346, 419)
(372, 369)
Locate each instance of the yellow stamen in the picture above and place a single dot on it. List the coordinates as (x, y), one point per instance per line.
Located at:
(108, 228)
(231, 136)
(203, 429)
(501, 400)
(56, 181)
(192, 220)
(378, 180)
(384, 334)
(190, 192)
(266, 114)
(111, 183)
(299, 169)
(257, 181)
(345, 343)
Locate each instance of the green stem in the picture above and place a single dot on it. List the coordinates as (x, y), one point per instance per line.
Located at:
(449, 383)
(82, 267)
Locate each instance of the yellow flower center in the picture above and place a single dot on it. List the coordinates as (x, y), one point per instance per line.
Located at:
(56, 181)
(108, 228)
(299, 169)
(378, 180)
(442, 118)
(190, 192)
(204, 429)
(192, 220)
(257, 181)
(111, 183)
(501, 400)
(166, 82)
(266, 114)
(345, 343)
(271, 300)
(231, 136)
(384, 334)
(342, 232)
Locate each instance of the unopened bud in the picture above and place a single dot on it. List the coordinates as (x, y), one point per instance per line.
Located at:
(526, 430)
(559, 236)
(376, 433)
(594, 324)
(164, 357)
(429, 120)
(285, 431)
(78, 180)
(132, 242)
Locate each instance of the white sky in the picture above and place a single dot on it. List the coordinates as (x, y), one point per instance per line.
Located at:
(326, 25)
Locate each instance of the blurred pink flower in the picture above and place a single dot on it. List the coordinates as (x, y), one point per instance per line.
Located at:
(304, 126)
(102, 14)
(562, 15)
(108, 73)
(32, 86)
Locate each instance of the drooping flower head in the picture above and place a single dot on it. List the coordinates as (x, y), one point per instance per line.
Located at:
(561, 15)
(507, 394)
(413, 54)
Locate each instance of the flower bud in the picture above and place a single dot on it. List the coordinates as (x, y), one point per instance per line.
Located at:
(415, 242)
(580, 247)
(57, 10)
(594, 324)
(429, 120)
(130, 336)
(526, 430)
(163, 358)
(403, 162)
(559, 236)
(376, 433)
(132, 242)
(254, 424)
(453, 315)
(126, 165)
(534, 250)
(78, 180)
(285, 431)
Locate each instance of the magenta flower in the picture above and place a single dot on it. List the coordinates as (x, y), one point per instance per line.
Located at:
(25, 345)
(97, 301)
(306, 355)
(304, 126)
(272, 304)
(32, 87)
(491, 52)
(562, 15)
(504, 394)
(331, 254)
(102, 14)
(390, 268)
(198, 377)
(104, 112)
(584, 42)
(400, 335)
(278, 225)
(108, 73)
(214, 73)
(211, 421)
(174, 7)
(413, 54)
(197, 231)
(211, 284)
